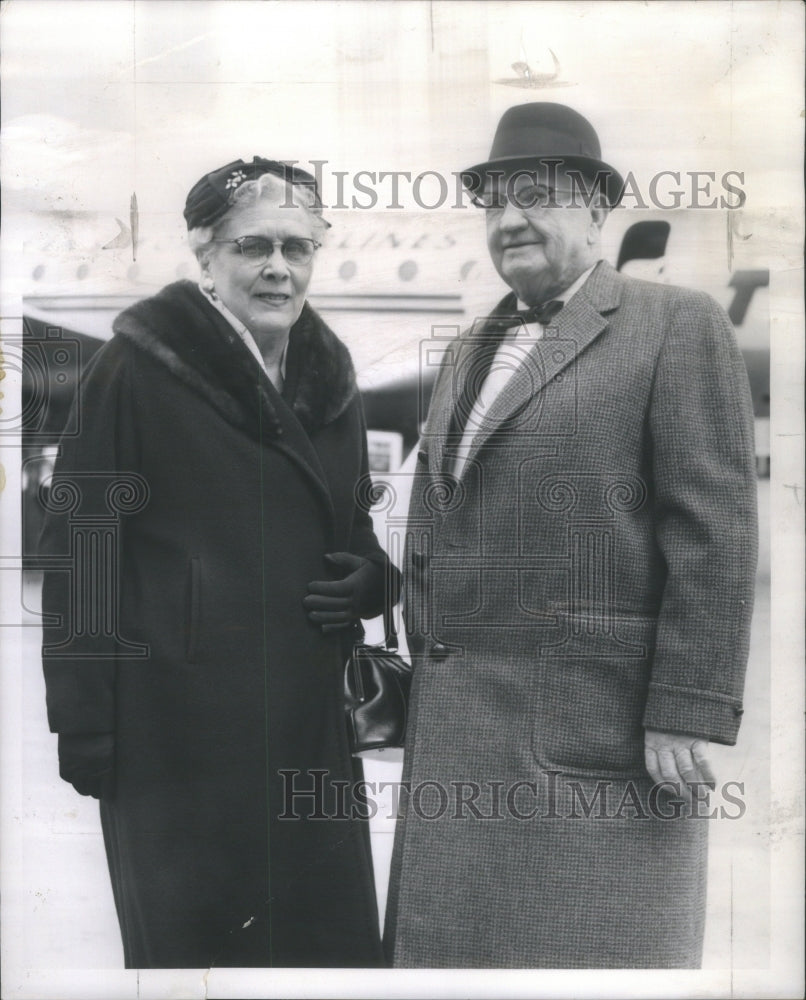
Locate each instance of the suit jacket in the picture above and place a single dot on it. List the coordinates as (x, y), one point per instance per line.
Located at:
(590, 574)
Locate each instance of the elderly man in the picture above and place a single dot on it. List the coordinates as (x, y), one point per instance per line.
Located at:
(580, 557)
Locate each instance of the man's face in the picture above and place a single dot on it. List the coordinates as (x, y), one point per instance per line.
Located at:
(540, 234)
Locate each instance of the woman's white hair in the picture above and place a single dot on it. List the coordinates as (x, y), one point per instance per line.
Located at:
(271, 188)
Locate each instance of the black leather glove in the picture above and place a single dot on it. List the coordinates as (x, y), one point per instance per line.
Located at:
(87, 761)
(336, 604)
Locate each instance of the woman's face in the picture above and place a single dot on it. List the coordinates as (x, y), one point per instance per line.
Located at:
(267, 297)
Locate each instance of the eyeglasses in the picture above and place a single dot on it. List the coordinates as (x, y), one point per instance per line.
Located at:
(257, 250)
(528, 197)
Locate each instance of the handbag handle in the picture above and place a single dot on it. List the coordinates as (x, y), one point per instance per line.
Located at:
(389, 630)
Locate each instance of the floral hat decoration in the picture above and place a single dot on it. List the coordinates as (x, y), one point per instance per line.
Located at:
(211, 196)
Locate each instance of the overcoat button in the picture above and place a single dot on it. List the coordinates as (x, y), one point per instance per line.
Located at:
(439, 651)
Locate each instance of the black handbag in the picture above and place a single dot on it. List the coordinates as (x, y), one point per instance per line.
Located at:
(376, 692)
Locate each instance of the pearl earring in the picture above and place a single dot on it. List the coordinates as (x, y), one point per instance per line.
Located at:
(209, 286)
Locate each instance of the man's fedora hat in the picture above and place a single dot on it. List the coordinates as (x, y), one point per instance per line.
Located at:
(529, 134)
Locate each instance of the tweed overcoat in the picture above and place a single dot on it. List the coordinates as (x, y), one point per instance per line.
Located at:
(244, 492)
(590, 574)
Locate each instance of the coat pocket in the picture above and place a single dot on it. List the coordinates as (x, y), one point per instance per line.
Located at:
(589, 698)
(192, 609)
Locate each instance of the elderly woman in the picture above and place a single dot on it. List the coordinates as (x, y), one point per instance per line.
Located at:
(211, 723)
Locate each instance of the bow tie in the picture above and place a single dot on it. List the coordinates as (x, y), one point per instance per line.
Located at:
(542, 314)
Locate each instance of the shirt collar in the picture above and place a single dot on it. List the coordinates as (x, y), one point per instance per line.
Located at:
(570, 292)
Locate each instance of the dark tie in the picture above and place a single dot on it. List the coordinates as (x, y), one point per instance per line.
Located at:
(481, 360)
(543, 314)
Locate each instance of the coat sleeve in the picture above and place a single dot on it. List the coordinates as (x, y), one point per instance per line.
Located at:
(79, 593)
(701, 428)
(363, 540)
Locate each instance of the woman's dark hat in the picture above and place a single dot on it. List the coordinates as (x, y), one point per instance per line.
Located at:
(531, 133)
(210, 197)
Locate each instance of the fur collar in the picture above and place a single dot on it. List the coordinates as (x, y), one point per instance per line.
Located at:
(181, 330)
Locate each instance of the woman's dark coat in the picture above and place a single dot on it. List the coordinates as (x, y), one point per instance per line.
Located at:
(246, 492)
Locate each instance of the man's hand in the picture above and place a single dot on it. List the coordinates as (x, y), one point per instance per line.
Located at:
(680, 759)
(336, 604)
(87, 761)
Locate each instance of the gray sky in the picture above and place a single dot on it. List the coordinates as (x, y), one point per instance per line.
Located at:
(108, 96)
(102, 98)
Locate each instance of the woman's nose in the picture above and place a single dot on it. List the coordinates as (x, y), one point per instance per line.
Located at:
(276, 263)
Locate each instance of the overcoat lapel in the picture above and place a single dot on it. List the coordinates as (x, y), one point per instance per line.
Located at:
(179, 329)
(295, 444)
(459, 361)
(443, 400)
(581, 321)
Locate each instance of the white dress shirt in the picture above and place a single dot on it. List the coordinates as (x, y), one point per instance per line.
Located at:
(276, 373)
(512, 351)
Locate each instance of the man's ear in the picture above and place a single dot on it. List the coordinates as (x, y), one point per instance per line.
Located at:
(600, 209)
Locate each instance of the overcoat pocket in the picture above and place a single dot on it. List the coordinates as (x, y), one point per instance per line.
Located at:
(589, 697)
